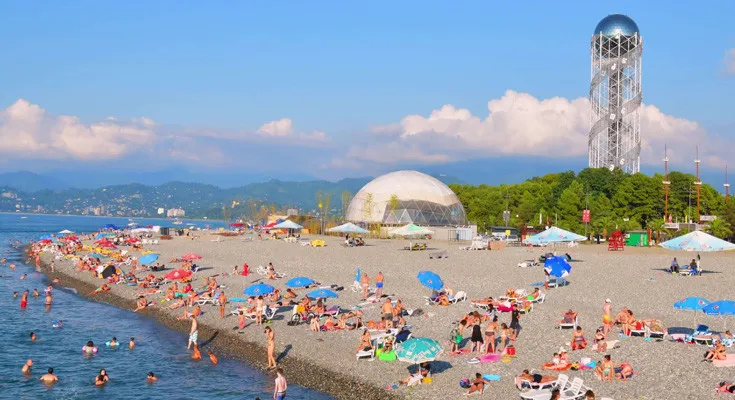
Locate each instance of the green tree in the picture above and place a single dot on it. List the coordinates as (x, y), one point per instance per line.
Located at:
(720, 228)
(570, 206)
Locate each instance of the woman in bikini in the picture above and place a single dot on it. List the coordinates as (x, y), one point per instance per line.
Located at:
(605, 371)
(366, 343)
(578, 340)
(719, 352)
(490, 331)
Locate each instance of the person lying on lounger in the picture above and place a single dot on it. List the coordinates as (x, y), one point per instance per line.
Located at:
(569, 317)
(535, 378)
(624, 371)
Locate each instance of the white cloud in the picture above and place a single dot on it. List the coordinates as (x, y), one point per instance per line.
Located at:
(282, 127)
(520, 124)
(29, 131)
(730, 61)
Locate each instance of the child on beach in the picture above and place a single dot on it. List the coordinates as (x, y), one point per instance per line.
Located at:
(241, 320)
(213, 358)
(455, 337)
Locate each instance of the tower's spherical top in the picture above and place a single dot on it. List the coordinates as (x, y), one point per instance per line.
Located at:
(617, 25)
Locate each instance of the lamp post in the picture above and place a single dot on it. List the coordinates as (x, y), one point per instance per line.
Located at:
(321, 220)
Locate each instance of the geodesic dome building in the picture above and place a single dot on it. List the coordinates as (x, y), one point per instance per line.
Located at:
(404, 197)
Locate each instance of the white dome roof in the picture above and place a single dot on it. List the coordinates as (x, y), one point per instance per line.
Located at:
(421, 199)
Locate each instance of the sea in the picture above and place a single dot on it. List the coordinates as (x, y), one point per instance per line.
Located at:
(158, 349)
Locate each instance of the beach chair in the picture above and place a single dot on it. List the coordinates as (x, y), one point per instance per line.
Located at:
(567, 325)
(261, 270)
(575, 391)
(217, 240)
(526, 384)
(268, 315)
(369, 354)
(540, 299)
(483, 306)
(525, 310)
(459, 296)
(640, 330)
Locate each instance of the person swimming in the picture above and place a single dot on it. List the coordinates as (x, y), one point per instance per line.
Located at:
(58, 324)
(151, 377)
(33, 336)
(131, 345)
(113, 343)
(27, 367)
(89, 349)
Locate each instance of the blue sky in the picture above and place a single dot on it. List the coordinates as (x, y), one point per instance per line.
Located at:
(207, 78)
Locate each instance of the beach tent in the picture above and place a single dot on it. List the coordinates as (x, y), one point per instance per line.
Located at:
(411, 230)
(108, 271)
(141, 230)
(66, 232)
(697, 241)
(348, 228)
(553, 235)
(287, 224)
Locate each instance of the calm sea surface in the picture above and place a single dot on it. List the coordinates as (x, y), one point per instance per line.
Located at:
(158, 348)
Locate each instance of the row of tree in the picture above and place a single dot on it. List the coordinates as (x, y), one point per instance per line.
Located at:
(616, 201)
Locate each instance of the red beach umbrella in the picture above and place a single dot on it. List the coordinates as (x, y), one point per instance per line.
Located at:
(108, 245)
(191, 257)
(178, 274)
(237, 225)
(46, 241)
(132, 240)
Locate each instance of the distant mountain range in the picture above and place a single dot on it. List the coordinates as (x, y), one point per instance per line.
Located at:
(29, 192)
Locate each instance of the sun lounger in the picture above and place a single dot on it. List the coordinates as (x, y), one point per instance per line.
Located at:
(575, 391)
(369, 354)
(459, 296)
(526, 384)
(483, 306)
(569, 325)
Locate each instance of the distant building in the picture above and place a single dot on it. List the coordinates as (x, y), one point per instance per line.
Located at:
(291, 212)
(175, 212)
(161, 211)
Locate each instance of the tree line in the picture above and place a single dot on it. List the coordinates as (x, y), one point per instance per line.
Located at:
(616, 201)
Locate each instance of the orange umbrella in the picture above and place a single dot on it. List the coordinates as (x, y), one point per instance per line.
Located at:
(178, 274)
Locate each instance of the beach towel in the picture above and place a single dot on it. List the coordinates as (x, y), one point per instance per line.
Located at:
(727, 362)
(491, 377)
(486, 358)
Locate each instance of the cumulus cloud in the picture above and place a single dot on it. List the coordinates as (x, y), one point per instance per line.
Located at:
(730, 61)
(282, 127)
(29, 131)
(520, 124)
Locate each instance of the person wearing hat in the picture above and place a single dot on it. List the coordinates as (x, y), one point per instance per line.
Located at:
(607, 322)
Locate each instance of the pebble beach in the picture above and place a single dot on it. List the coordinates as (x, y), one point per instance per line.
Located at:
(634, 278)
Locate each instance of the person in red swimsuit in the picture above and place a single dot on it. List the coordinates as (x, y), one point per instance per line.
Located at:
(24, 300)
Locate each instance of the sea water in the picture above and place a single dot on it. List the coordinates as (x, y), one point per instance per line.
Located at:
(157, 349)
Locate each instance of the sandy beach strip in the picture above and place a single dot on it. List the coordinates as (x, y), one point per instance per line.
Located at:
(325, 361)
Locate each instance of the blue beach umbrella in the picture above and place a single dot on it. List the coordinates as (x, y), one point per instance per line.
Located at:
(322, 294)
(418, 350)
(148, 259)
(697, 241)
(720, 308)
(557, 266)
(358, 276)
(259, 289)
(96, 255)
(299, 282)
(692, 304)
(430, 280)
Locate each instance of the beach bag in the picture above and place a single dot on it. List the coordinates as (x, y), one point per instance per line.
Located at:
(510, 350)
(464, 383)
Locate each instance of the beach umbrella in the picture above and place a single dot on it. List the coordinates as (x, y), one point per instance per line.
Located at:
(65, 232)
(191, 257)
(720, 308)
(411, 230)
(132, 240)
(553, 235)
(45, 241)
(557, 266)
(148, 259)
(237, 225)
(358, 276)
(259, 289)
(348, 228)
(299, 282)
(178, 274)
(96, 255)
(107, 245)
(322, 294)
(287, 224)
(697, 241)
(45, 237)
(430, 280)
(418, 350)
(692, 304)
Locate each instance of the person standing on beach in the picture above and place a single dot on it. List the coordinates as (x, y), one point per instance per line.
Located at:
(279, 393)
(365, 282)
(270, 347)
(193, 332)
(222, 301)
(259, 308)
(24, 300)
(53, 266)
(379, 281)
(607, 317)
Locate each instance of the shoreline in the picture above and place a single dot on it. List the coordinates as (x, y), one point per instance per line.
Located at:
(225, 343)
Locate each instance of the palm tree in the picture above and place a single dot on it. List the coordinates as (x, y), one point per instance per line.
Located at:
(657, 225)
(720, 228)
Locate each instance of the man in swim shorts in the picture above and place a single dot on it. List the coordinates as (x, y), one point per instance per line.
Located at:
(379, 280)
(24, 300)
(193, 333)
(607, 317)
(387, 313)
(279, 393)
